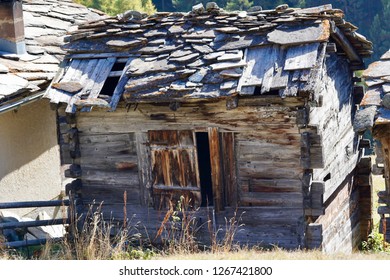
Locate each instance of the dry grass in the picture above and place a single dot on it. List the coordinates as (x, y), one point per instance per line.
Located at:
(177, 233)
(276, 254)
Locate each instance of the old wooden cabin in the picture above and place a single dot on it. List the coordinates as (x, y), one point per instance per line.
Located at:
(374, 115)
(232, 110)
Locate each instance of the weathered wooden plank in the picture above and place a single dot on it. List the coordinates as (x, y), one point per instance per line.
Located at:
(27, 204)
(345, 44)
(100, 79)
(229, 168)
(110, 178)
(198, 116)
(88, 76)
(144, 163)
(98, 55)
(269, 170)
(313, 236)
(269, 69)
(256, 69)
(216, 168)
(271, 199)
(301, 57)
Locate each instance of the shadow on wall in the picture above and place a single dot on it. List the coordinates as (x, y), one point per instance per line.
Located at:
(25, 134)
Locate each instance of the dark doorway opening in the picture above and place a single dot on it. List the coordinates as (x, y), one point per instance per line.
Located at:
(204, 166)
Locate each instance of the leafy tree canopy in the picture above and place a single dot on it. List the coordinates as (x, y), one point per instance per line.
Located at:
(114, 7)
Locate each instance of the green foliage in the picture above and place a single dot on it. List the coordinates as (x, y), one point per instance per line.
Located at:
(234, 5)
(114, 7)
(380, 30)
(186, 5)
(375, 243)
(134, 254)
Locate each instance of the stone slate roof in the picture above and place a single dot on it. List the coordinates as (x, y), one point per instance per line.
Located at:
(375, 106)
(46, 24)
(207, 53)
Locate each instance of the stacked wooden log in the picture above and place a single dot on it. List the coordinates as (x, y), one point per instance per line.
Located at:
(374, 115)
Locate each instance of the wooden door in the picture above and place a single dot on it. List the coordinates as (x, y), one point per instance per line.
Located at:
(174, 168)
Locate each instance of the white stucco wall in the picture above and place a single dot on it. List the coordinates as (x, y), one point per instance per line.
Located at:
(29, 155)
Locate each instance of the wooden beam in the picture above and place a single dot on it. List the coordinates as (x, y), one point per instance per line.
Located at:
(229, 168)
(216, 170)
(33, 223)
(26, 243)
(28, 204)
(144, 167)
(345, 44)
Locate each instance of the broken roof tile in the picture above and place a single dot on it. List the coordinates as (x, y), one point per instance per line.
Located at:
(209, 47)
(46, 25)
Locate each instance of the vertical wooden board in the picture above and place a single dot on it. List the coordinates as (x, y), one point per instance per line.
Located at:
(280, 77)
(144, 164)
(301, 57)
(92, 75)
(70, 71)
(188, 168)
(100, 78)
(260, 62)
(229, 168)
(216, 171)
(91, 64)
(269, 68)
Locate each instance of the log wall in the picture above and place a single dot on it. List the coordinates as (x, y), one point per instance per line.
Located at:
(346, 199)
(382, 133)
(262, 144)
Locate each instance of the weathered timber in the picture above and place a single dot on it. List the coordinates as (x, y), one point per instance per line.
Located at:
(216, 168)
(341, 39)
(38, 223)
(301, 57)
(229, 168)
(26, 204)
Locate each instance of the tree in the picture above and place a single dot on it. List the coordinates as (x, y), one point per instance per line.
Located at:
(380, 31)
(234, 5)
(113, 7)
(164, 5)
(186, 5)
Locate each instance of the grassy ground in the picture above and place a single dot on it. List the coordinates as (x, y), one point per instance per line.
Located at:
(94, 244)
(276, 254)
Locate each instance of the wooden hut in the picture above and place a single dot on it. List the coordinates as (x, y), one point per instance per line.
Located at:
(31, 35)
(374, 115)
(234, 111)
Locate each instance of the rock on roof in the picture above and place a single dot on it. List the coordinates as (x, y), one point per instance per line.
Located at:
(204, 54)
(46, 24)
(375, 106)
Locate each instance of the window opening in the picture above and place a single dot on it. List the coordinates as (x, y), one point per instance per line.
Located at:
(273, 92)
(204, 166)
(109, 86)
(112, 80)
